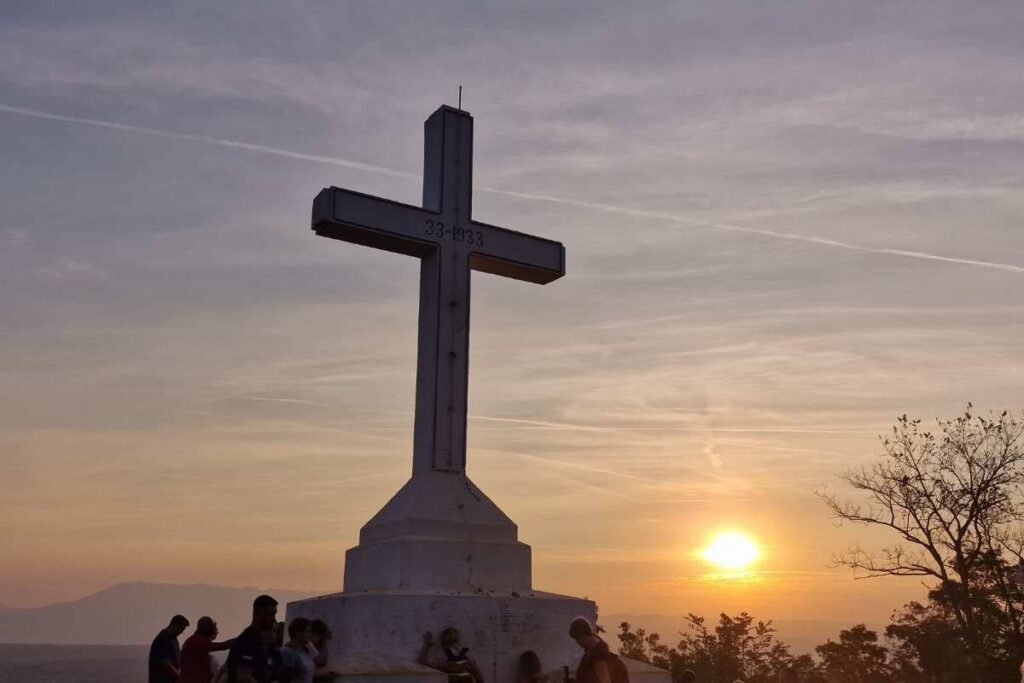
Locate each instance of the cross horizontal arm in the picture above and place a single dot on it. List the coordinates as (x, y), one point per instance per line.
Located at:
(517, 255)
(372, 221)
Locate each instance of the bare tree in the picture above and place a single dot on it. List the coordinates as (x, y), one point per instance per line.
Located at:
(952, 499)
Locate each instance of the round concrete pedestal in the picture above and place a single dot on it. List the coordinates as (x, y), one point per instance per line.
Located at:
(496, 628)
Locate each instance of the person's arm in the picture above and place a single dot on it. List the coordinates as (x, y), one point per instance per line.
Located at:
(163, 651)
(218, 647)
(319, 659)
(171, 670)
(602, 673)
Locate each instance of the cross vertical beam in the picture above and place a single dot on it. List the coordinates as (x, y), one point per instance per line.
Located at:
(442, 364)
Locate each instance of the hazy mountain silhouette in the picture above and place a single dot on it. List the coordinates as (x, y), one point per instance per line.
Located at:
(132, 613)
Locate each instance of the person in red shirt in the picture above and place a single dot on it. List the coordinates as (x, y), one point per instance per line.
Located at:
(595, 665)
(196, 661)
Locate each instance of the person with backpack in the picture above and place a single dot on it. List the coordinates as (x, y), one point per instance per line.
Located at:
(598, 663)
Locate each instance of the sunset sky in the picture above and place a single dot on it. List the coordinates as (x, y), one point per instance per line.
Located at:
(786, 224)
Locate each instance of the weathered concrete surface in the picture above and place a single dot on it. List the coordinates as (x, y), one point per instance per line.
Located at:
(439, 533)
(496, 627)
(373, 667)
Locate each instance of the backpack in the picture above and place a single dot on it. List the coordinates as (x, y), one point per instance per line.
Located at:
(617, 669)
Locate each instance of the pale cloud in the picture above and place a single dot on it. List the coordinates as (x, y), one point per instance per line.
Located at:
(67, 268)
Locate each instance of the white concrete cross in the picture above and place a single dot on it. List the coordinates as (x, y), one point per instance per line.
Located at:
(449, 243)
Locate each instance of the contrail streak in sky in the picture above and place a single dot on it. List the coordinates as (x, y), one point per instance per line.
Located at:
(640, 213)
(666, 428)
(191, 137)
(594, 206)
(275, 399)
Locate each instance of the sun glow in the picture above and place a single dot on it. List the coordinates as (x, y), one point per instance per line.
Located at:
(731, 550)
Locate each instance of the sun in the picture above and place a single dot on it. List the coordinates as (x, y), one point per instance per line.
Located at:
(731, 550)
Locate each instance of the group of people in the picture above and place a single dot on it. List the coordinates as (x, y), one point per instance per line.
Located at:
(260, 654)
(597, 665)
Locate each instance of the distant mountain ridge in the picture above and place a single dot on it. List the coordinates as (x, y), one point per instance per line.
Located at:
(132, 613)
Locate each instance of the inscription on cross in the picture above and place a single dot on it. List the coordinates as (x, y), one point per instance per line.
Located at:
(449, 244)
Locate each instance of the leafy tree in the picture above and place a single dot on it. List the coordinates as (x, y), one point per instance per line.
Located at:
(952, 500)
(645, 647)
(805, 670)
(856, 658)
(926, 645)
(735, 648)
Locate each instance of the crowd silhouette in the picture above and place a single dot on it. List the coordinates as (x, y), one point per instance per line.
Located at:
(260, 653)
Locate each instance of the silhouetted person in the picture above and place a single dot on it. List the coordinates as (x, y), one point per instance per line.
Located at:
(595, 664)
(529, 669)
(273, 641)
(250, 657)
(688, 676)
(196, 661)
(165, 654)
(450, 657)
(321, 641)
(425, 647)
(278, 636)
(299, 655)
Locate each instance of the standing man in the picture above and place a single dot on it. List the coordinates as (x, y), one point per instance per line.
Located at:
(248, 659)
(196, 661)
(596, 663)
(165, 654)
